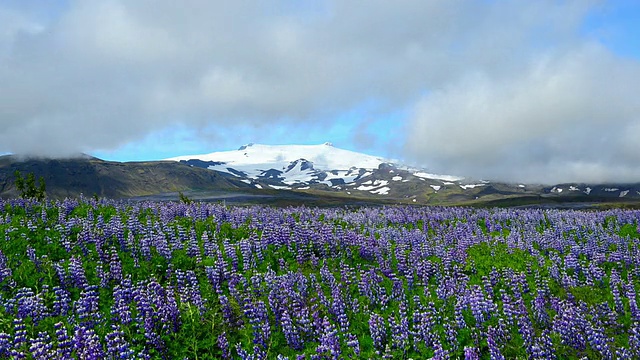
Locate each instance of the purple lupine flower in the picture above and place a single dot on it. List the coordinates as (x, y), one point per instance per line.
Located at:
(170, 313)
(339, 309)
(147, 316)
(259, 353)
(624, 354)
(452, 335)
(120, 309)
(439, 352)
(115, 266)
(87, 344)
(329, 341)
(29, 304)
(400, 328)
(103, 276)
(476, 303)
(87, 308)
(569, 324)
(494, 350)
(424, 321)
(459, 317)
(42, 347)
(615, 291)
(259, 319)
(290, 331)
(540, 310)
(378, 331)
(19, 339)
(353, 343)
(525, 328)
(471, 353)
(598, 340)
(223, 344)
(543, 347)
(633, 305)
(5, 270)
(227, 312)
(117, 345)
(64, 278)
(76, 272)
(65, 346)
(242, 353)
(5, 344)
(634, 338)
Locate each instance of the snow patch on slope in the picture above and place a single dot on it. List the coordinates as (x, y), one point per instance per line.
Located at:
(425, 175)
(322, 156)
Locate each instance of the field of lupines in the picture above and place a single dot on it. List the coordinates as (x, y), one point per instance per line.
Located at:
(115, 280)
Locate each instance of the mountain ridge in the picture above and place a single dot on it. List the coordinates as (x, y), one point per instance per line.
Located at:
(304, 174)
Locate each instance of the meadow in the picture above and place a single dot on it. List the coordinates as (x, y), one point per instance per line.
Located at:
(91, 279)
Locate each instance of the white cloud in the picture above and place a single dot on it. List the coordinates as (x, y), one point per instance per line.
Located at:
(512, 80)
(565, 118)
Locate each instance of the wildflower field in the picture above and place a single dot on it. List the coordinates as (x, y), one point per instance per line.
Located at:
(102, 279)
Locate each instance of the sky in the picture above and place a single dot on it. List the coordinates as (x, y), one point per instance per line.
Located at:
(514, 90)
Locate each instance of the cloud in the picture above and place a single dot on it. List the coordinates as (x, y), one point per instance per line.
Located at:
(567, 117)
(101, 74)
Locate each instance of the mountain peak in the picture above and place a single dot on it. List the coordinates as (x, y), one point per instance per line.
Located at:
(244, 147)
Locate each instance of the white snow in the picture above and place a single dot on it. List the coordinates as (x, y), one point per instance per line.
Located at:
(471, 186)
(587, 191)
(381, 191)
(304, 188)
(611, 189)
(258, 186)
(624, 193)
(323, 156)
(255, 159)
(348, 176)
(521, 185)
(556, 190)
(246, 181)
(374, 185)
(214, 168)
(297, 175)
(448, 183)
(329, 163)
(425, 175)
(573, 188)
(277, 187)
(436, 187)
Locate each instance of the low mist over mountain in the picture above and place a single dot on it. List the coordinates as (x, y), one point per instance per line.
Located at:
(330, 170)
(91, 176)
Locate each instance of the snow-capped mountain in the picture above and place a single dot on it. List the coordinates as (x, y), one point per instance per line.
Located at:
(293, 174)
(325, 168)
(306, 166)
(288, 164)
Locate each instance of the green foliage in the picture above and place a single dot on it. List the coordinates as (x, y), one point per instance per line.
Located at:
(630, 230)
(23, 228)
(184, 199)
(29, 188)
